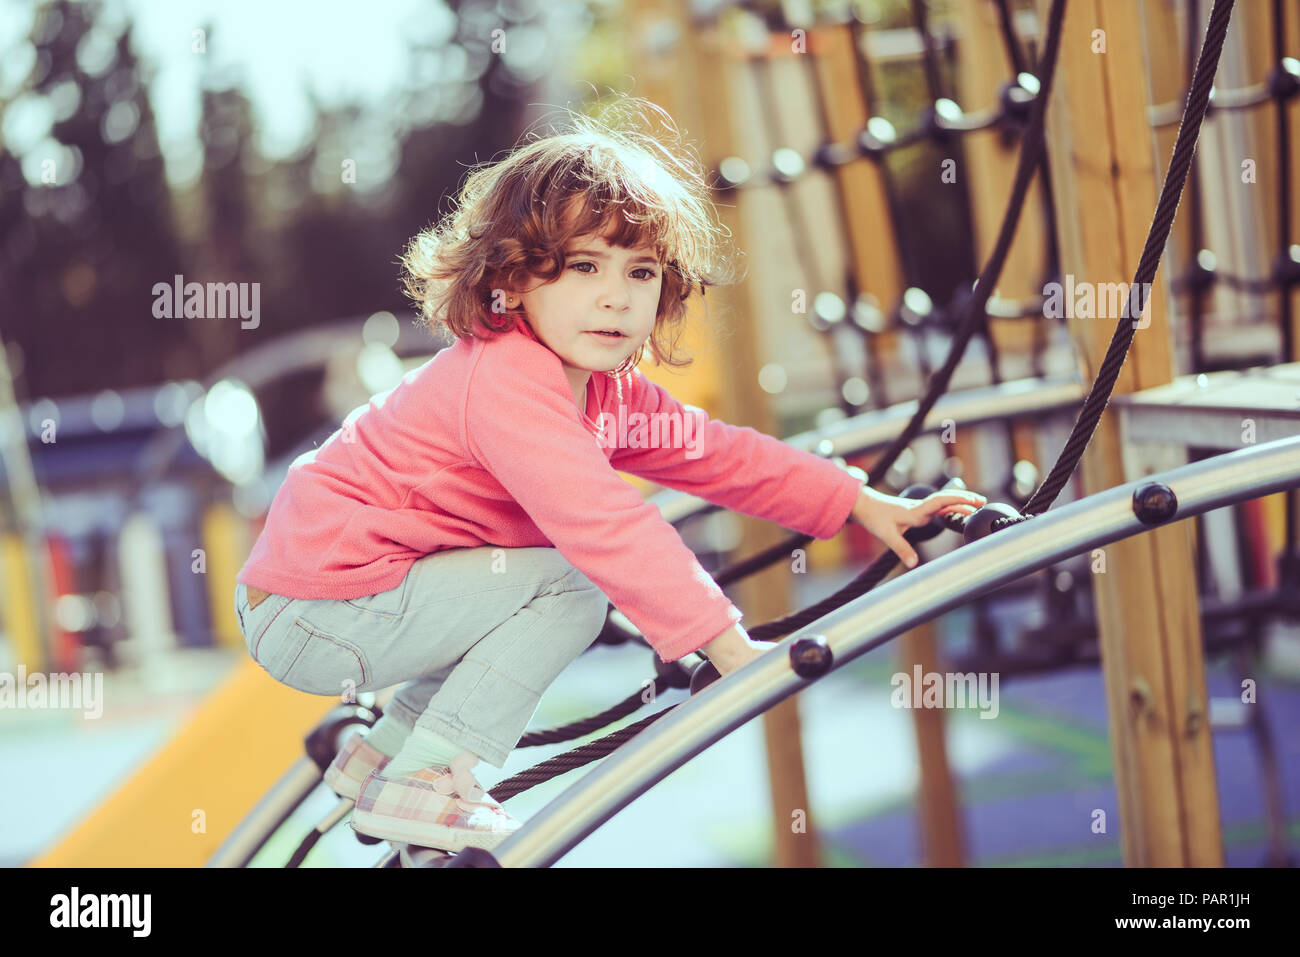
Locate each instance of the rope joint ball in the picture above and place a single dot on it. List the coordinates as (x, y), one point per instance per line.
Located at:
(1017, 98)
(673, 672)
(982, 522)
(811, 656)
(704, 675)
(1154, 503)
(1284, 80)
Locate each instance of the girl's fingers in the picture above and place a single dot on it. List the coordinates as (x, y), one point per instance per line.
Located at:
(903, 550)
(965, 504)
(968, 498)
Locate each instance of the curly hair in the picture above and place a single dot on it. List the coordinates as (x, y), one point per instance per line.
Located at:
(515, 217)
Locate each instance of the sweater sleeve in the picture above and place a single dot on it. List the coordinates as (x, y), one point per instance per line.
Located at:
(734, 466)
(524, 428)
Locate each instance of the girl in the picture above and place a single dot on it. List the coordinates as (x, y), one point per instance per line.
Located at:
(463, 533)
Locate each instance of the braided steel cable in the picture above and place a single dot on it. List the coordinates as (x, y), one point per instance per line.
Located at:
(1175, 179)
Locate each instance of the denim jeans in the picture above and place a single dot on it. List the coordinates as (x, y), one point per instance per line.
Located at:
(476, 634)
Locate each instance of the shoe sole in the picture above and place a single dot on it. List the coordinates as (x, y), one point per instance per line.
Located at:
(413, 855)
(430, 835)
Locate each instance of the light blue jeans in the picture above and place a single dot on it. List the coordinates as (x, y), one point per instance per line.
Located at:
(476, 634)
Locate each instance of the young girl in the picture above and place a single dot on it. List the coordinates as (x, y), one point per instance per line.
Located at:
(463, 533)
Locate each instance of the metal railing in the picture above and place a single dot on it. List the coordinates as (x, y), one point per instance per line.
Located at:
(875, 618)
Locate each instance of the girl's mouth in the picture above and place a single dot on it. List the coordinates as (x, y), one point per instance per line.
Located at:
(608, 335)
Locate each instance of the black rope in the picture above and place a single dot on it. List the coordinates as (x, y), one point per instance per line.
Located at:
(1198, 290)
(570, 760)
(1175, 178)
(577, 729)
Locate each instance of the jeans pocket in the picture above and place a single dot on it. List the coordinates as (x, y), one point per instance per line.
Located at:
(389, 604)
(310, 660)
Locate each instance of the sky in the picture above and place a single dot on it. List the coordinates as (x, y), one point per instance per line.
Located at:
(342, 50)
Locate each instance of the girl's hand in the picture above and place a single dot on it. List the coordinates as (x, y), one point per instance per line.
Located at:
(888, 516)
(743, 656)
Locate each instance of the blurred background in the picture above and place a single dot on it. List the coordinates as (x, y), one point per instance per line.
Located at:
(299, 146)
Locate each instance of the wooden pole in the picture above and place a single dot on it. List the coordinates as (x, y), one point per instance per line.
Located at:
(1145, 589)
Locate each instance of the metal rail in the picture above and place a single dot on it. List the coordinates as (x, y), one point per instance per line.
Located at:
(873, 619)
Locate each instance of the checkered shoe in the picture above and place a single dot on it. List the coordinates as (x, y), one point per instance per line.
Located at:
(441, 807)
(352, 765)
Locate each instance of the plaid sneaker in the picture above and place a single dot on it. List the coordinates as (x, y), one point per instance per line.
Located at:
(440, 807)
(352, 765)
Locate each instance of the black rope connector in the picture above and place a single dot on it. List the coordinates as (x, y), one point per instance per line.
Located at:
(733, 172)
(1284, 81)
(980, 524)
(1017, 100)
(938, 118)
(811, 656)
(916, 308)
(871, 146)
(1201, 275)
(703, 676)
(787, 165)
(1286, 269)
(1154, 503)
(673, 672)
(831, 155)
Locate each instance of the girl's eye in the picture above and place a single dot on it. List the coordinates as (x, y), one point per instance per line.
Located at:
(649, 273)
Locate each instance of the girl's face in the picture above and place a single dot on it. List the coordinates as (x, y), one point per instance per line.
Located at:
(603, 289)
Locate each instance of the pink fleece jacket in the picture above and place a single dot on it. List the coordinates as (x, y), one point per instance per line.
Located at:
(484, 445)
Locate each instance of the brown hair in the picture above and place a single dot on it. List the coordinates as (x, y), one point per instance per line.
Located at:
(515, 217)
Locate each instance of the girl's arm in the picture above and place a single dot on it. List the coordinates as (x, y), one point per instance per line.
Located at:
(736, 467)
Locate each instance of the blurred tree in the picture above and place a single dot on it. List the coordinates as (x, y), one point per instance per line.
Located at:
(320, 231)
(86, 225)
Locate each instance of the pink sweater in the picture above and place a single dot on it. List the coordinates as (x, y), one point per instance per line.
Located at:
(483, 445)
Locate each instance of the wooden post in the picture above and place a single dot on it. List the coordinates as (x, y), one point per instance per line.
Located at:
(940, 823)
(705, 59)
(1106, 186)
